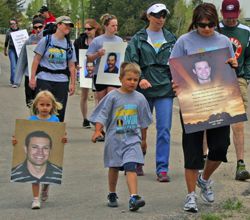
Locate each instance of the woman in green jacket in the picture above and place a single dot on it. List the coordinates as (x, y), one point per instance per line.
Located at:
(151, 48)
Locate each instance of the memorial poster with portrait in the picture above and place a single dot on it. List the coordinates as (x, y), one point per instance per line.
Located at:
(87, 70)
(207, 90)
(38, 153)
(30, 56)
(109, 68)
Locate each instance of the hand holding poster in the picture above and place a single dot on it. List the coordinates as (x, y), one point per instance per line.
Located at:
(208, 90)
(38, 154)
(19, 38)
(109, 68)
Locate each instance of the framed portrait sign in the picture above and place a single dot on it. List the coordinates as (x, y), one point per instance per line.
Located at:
(38, 154)
(86, 71)
(19, 38)
(109, 68)
(30, 56)
(208, 90)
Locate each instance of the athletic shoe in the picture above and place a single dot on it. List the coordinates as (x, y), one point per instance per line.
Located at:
(10, 84)
(112, 200)
(86, 123)
(14, 86)
(163, 177)
(36, 204)
(136, 202)
(44, 193)
(139, 170)
(241, 172)
(206, 193)
(190, 203)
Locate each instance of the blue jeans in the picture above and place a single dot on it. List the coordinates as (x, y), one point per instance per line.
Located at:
(13, 62)
(163, 110)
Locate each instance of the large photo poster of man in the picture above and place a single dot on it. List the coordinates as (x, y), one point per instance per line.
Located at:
(208, 91)
(86, 71)
(38, 153)
(109, 68)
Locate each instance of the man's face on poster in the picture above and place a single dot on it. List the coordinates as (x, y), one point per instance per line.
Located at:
(38, 151)
(111, 62)
(202, 70)
(90, 68)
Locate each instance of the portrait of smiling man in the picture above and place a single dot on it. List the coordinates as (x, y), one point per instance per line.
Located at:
(203, 71)
(37, 168)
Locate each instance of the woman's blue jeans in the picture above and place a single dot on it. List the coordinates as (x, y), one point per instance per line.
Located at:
(163, 111)
(13, 62)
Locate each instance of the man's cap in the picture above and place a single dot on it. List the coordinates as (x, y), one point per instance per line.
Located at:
(64, 19)
(37, 21)
(43, 9)
(230, 9)
(157, 8)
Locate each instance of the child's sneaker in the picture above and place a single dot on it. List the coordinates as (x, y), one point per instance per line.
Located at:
(44, 192)
(112, 200)
(136, 202)
(190, 203)
(241, 172)
(207, 193)
(163, 177)
(86, 123)
(36, 204)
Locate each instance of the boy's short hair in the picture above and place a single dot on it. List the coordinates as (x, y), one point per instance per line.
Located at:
(129, 67)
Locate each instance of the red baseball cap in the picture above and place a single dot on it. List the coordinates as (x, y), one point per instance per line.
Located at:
(230, 8)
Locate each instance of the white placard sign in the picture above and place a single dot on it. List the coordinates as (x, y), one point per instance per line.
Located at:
(109, 68)
(86, 73)
(30, 55)
(19, 37)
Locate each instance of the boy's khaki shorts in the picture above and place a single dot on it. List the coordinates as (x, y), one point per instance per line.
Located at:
(243, 89)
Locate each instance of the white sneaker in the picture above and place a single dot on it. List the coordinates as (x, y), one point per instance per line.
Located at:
(207, 193)
(190, 203)
(36, 204)
(14, 86)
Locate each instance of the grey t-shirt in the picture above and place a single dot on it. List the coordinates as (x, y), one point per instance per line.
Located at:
(97, 44)
(156, 39)
(123, 115)
(192, 42)
(54, 58)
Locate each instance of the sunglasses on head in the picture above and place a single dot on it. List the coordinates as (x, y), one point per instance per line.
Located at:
(12, 23)
(159, 14)
(38, 27)
(204, 25)
(89, 29)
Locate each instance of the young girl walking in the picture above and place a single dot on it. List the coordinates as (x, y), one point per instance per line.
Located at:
(126, 115)
(44, 108)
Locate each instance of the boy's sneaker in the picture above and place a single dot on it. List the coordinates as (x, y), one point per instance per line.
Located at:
(190, 203)
(241, 172)
(163, 177)
(112, 200)
(86, 123)
(136, 202)
(44, 193)
(14, 86)
(206, 193)
(36, 204)
(139, 170)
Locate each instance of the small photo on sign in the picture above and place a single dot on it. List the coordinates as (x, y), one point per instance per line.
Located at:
(112, 63)
(89, 69)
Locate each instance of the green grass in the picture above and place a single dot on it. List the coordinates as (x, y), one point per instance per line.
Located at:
(232, 204)
(210, 217)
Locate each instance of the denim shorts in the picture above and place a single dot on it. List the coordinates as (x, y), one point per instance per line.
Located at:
(128, 167)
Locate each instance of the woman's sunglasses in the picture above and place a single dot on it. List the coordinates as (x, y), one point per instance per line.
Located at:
(159, 14)
(89, 29)
(204, 25)
(38, 27)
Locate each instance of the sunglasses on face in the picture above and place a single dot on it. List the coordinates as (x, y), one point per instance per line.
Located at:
(38, 27)
(12, 23)
(89, 29)
(204, 25)
(159, 15)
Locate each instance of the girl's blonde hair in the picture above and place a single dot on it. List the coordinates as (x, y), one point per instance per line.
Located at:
(45, 93)
(129, 67)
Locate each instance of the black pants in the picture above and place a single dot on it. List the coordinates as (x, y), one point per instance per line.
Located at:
(59, 90)
(30, 94)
